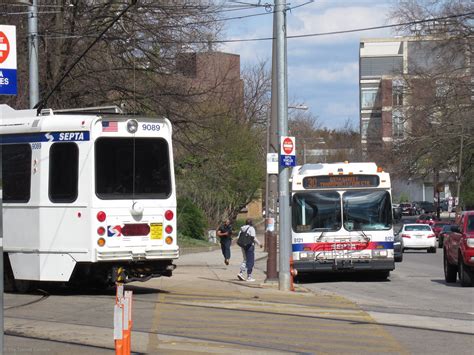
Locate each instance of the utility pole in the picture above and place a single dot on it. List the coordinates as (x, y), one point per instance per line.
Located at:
(458, 192)
(272, 179)
(283, 177)
(33, 52)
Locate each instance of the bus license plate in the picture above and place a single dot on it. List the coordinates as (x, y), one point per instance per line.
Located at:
(156, 231)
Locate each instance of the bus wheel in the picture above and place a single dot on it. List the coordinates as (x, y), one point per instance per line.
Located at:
(23, 286)
(9, 280)
(383, 275)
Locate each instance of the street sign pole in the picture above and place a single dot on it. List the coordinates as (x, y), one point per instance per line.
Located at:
(283, 177)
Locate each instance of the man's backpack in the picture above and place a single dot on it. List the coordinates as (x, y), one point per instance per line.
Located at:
(245, 239)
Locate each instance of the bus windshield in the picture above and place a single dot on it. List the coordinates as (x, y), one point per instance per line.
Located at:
(316, 210)
(367, 210)
(132, 168)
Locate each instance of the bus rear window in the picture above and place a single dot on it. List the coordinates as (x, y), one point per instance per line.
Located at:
(132, 168)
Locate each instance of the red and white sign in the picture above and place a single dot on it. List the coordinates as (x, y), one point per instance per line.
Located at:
(7, 47)
(4, 47)
(287, 145)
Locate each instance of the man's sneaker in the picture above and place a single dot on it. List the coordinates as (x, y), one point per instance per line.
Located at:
(226, 261)
(250, 279)
(241, 277)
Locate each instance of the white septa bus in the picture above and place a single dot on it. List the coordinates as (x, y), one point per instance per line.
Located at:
(87, 196)
(342, 218)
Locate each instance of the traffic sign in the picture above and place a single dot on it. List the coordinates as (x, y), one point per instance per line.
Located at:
(8, 85)
(287, 151)
(288, 145)
(4, 47)
(287, 160)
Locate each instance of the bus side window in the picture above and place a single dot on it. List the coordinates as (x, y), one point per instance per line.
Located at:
(63, 172)
(16, 170)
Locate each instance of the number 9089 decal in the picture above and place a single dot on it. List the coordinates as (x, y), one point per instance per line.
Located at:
(150, 127)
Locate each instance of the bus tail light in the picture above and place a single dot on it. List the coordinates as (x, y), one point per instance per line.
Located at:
(101, 216)
(169, 215)
(168, 229)
(101, 242)
(101, 231)
(431, 236)
(169, 240)
(405, 236)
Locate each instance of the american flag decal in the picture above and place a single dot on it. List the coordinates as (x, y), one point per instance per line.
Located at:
(109, 126)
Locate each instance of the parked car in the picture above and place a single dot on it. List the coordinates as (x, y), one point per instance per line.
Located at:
(418, 236)
(407, 209)
(458, 250)
(438, 226)
(446, 229)
(427, 219)
(398, 248)
(426, 207)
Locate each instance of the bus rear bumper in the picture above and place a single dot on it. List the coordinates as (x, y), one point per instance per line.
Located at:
(343, 265)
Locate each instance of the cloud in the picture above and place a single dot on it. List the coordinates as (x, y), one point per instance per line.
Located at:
(332, 73)
(339, 18)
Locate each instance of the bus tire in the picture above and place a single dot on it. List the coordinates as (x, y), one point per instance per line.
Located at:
(23, 286)
(9, 280)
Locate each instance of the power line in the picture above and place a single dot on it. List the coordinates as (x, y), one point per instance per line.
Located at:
(335, 32)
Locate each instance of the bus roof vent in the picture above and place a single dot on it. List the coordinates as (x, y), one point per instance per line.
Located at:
(46, 112)
(92, 110)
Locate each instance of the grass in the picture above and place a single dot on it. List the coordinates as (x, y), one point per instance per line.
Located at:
(186, 242)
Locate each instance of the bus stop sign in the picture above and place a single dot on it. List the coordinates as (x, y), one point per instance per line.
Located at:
(287, 151)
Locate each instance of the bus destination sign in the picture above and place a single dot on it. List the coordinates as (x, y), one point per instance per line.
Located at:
(340, 181)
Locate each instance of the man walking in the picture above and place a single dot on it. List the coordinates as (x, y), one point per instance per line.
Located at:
(225, 235)
(248, 253)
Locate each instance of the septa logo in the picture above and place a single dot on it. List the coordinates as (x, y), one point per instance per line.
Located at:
(114, 231)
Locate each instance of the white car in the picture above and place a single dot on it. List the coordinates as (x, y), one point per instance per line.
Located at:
(418, 236)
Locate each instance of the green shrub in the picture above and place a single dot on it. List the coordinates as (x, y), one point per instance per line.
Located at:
(191, 221)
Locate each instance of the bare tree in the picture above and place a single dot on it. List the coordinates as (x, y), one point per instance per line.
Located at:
(438, 86)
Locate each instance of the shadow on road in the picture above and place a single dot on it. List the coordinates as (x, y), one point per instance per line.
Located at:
(342, 277)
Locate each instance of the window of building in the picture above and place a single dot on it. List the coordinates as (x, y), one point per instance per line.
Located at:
(369, 98)
(16, 170)
(398, 127)
(363, 129)
(63, 172)
(397, 93)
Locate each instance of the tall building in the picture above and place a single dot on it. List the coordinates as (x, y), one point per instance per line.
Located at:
(395, 76)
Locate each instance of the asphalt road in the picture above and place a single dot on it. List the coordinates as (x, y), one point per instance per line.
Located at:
(416, 305)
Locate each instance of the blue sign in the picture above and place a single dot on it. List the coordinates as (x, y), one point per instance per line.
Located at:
(287, 160)
(8, 82)
(45, 137)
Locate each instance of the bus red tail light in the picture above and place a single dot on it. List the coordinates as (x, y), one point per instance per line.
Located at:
(101, 231)
(168, 229)
(169, 215)
(101, 216)
(405, 236)
(431, 236)
(137, 229)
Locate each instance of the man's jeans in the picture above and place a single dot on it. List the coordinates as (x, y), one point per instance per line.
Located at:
(225, 246)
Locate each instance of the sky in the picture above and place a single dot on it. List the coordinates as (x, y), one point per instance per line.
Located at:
(322, 71)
